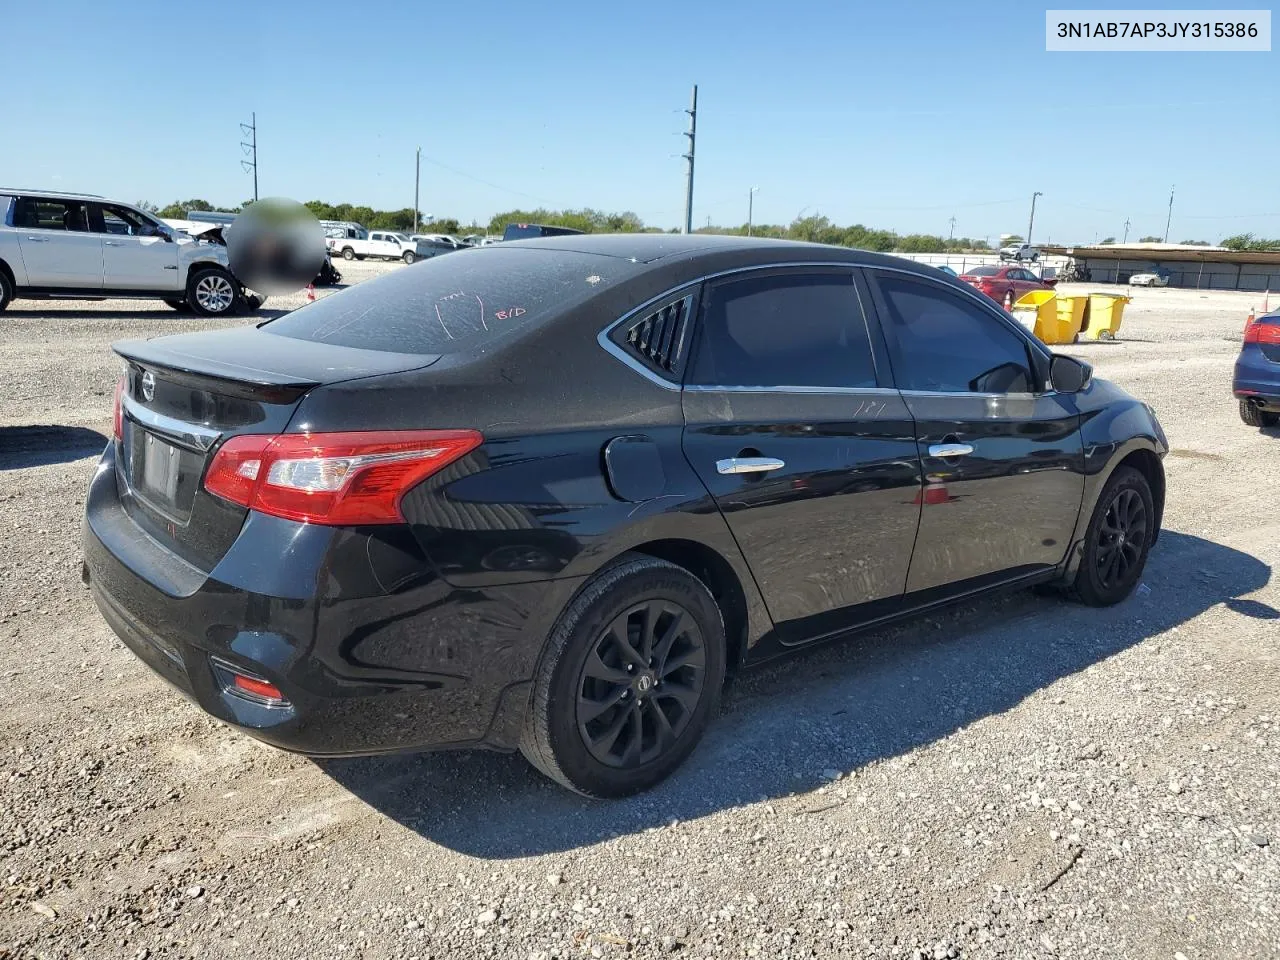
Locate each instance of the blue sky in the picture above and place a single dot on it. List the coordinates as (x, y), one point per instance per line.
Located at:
(895, 115)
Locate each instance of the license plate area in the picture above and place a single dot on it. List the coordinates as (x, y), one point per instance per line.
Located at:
(163, 475)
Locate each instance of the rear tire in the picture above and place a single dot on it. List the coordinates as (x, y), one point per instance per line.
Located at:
(408, 256)
(348, 253)
(628, 681)
(6, 290)
(1254, 417)
(211, 292)
(1117, 541)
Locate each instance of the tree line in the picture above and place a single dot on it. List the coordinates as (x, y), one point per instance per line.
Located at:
(813, 229)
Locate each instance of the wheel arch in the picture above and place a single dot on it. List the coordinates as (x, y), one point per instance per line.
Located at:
(196, 266)
(715, 571)
(1142, 454)
(1147, 463)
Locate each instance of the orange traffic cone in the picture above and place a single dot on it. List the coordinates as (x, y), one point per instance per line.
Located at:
(311, 293)
(1248, 321)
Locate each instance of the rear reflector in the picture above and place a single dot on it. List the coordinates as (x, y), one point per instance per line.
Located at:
(337, 479)
(117, 412)
(257, 688)
(1260, 332)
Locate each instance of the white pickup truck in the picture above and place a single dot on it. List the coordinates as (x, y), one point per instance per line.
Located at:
(356, 243)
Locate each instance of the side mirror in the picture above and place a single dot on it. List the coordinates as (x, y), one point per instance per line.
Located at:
(1069, 375)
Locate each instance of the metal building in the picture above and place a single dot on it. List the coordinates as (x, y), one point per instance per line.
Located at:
(1187, 265)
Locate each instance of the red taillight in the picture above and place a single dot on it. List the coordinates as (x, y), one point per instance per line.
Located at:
(338, 479)
(1260, 332)
(117, 411)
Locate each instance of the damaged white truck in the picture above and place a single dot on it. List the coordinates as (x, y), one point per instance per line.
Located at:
(82, 247)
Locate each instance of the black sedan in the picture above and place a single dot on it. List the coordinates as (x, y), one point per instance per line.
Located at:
(544, 495)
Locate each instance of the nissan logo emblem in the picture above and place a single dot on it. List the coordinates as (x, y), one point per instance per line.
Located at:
(148, 386)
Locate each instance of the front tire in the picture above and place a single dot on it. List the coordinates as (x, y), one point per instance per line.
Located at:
(1117, 541)
(629, 680)
(211, 292)
(408, 256)
(1254, 417)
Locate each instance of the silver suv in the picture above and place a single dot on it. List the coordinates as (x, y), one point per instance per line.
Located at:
(78, 246)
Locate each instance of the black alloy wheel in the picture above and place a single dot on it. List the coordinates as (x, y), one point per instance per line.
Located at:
(1118, 540)
(1122, 538)
(640, 684)
(628, 681)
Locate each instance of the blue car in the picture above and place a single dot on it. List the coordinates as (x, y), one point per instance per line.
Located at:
(1256, 383)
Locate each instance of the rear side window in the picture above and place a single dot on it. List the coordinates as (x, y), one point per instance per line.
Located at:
(36, 214)
(793, 330)
(949, 344)
(455, 304)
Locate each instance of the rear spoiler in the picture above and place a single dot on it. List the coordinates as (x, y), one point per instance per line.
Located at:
(211, 373)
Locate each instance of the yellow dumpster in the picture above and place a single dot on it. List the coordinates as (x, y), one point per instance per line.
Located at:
(1103, 316)
(1067, 321)
(1037, 311)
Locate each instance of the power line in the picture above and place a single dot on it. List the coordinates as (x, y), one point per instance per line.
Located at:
(487, 183)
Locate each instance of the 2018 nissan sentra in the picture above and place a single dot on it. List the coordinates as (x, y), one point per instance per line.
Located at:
(545, 494)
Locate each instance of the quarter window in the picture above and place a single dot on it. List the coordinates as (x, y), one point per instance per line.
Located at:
(947, 344)
(791, 330)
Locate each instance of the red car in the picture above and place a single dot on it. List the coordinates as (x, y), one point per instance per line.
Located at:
(1004, 285)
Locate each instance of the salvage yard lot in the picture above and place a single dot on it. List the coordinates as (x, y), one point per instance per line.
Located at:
(1023, 778)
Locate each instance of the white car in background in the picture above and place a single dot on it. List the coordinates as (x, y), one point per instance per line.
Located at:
(78, 246)
(1150, 278)
(1020, 252)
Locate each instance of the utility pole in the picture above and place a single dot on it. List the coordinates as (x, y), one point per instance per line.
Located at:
(1032, 222)
(417, 176)
(1169, 219)
(952, 234)
(751, 196)
(692, 134)
(250, 130)
(1126, 230)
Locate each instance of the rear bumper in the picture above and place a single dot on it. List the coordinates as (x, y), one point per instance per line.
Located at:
(1257, 379)
(365, 669)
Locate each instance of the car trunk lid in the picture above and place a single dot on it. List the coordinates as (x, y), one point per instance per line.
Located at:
(185, 395)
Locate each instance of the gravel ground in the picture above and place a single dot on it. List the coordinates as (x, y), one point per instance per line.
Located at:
(1017, 778)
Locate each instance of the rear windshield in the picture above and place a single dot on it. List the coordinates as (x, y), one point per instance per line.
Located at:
(454, 304)
(982, 272)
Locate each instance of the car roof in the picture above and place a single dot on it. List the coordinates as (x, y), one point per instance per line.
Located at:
(650, 247)
(24, 191)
